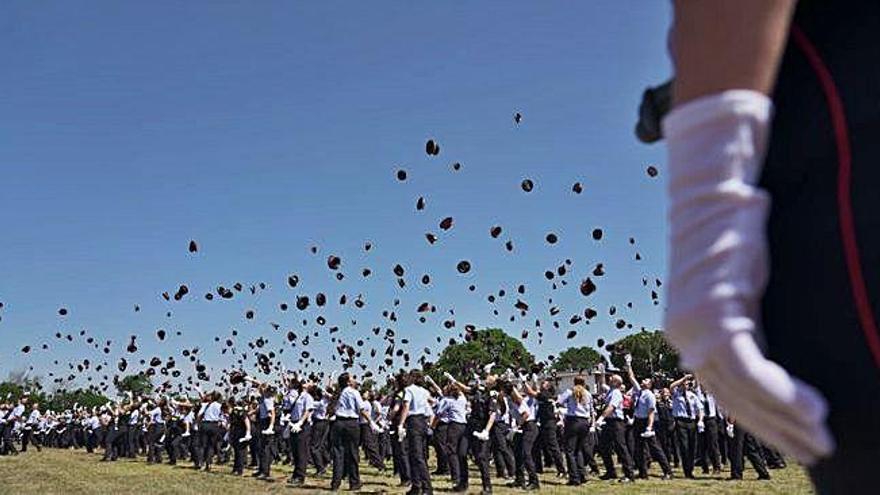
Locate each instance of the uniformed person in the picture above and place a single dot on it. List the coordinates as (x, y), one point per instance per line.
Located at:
(644, 435)
(688, 413)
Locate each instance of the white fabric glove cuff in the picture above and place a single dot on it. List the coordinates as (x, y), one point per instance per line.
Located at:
(718, 266)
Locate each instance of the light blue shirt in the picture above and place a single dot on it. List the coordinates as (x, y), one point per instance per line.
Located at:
(529, 405)
(680, 407)
(303, 403)
(135, 415)
(350, 404)
(417, 398)
(454, 410)
(212, 412)
(707, 400)
(646, 402)
(573, 408)
(267, 405)
(368, 408)
(320, 411)
(156, 416)
(614, 398)
(289, 399)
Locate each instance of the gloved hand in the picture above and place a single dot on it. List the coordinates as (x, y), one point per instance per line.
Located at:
(482, 435)
(600, 423)
(628, 359)
(729, 429)
(375, 428)
(296, 427)
(185, 434)
(246, 438)
(648, 433)
(488, 368)
(268, 431)
(718, 270)
(630, 421)
(701, 426)
(448, 376)
(401, 433)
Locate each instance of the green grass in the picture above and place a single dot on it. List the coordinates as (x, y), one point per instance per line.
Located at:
(73, 472)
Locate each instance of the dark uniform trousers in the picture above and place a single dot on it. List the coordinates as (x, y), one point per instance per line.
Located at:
(479, 449)
(300, 448)
(686, 438)
(744, 445)
(318, 447)
(613, 440)
(346, 436)
(438, 441)
(577, 434)
(548, 438)
(416, 438)
(505, 463)
(710, 451)
(454, 432)
(210, 433)
(400, 457)
(651, 445)
(524, 450)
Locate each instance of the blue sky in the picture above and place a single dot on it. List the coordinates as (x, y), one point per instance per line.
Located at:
(260, 129)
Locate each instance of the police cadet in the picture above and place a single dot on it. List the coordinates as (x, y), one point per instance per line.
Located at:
(155, 432)
(612, 425)
(345, 433)
(475, 441)
(524, 442)
(451, 412)
(266, 417)
(578, 404)
(710, 453)
(320, 430)
(548, 431)
(399, 451)
(414, 430)
(687, 411)
(369, 432)
(29, 435)
(645, 414)
(239, 433)
(743, 444)
(209, 428)
(300, 432)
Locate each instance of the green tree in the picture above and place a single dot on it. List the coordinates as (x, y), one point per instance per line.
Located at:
(485, 346)
(139, 384)
(66, 399)
(651, 353)
(577, 359)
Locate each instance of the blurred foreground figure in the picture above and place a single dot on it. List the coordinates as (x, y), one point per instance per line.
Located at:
(775, 100)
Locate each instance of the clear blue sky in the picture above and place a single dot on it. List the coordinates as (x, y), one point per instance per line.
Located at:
(260, 129)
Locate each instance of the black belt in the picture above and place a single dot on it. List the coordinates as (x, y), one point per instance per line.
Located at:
(687, 420)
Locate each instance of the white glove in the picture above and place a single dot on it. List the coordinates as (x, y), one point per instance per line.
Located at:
(628, 359)
(297, 427)
(401, 433)
(448, 376)
(268, 431)
(729, 429)
(488, 368)
(246, 438)
(718, 270)
(482, 435)
(376, 428)
(648, 433)
(701, 427)
(600, 423)
(185, 434)
(630, 421)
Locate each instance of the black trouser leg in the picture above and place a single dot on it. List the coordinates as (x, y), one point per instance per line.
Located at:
(454, 431)
(711, 453)
(576, 431)
(550, 440)
(300, 446)
(346, 437)
(416, 437)
(318, 445)
(505, 463)
(756, 458)
(438, 441)
(525, 461)
(646, 446)
(686, 437)
(401, 457)
(370, 442)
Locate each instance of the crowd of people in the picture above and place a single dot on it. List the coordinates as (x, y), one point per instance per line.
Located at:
(512, 426)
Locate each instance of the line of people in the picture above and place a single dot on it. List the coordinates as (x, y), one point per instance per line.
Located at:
(520, 424)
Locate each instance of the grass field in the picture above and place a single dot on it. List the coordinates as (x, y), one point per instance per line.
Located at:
(60, 471)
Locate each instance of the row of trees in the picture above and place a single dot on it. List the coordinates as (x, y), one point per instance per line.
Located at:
(18, 384)
(651, 355)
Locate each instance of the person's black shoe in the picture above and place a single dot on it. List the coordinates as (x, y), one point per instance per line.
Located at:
(515, 484)
(532, 487)
(608, 476)
(405, 484)
(735, 478)
(295, 482)
(355, 488)
(459, 489)
(764, 477)
(486, 491)
(572, 483)
(667, 477)
(625, 479)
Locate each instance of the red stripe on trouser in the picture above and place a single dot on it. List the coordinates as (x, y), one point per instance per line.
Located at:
(844, 200)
